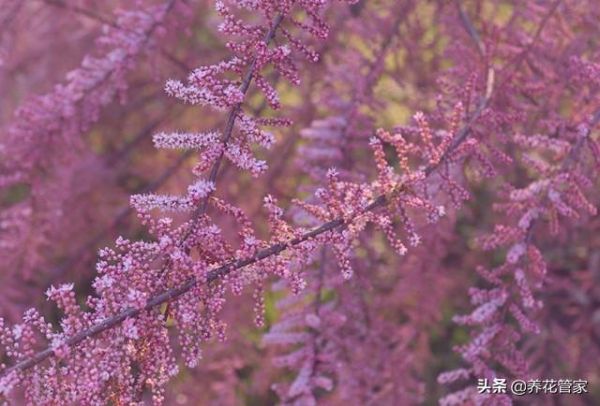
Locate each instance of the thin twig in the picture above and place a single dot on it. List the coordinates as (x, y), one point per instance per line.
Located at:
(228, 132)
(466, 21)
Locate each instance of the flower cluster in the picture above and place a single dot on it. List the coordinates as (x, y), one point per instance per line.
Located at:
(357, 248)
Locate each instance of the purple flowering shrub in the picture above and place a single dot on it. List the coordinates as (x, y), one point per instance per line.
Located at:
(330, 202)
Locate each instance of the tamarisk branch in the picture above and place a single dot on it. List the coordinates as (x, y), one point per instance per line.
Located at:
(275, 249)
